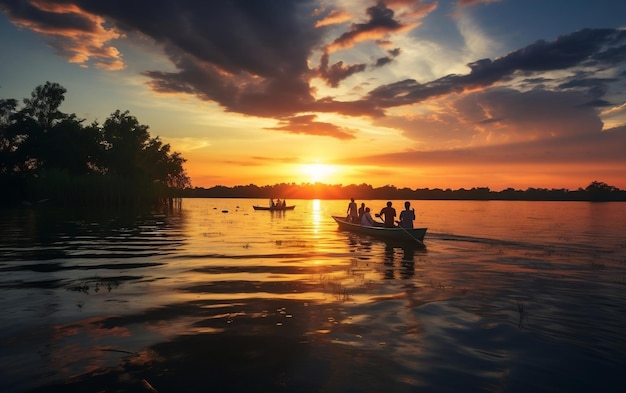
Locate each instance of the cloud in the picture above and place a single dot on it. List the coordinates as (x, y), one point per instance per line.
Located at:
(416, 10)
(337, 72)
(253, 57)
(334, 17)
(381, 23)
(382, 61)
(79, 36)
(242, 92)
(582, 48)
(250, 57)
(499, 116)
(258, 161)
(604, 148)
(308, 126)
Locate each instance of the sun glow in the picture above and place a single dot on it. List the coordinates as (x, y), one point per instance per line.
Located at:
(318, 172)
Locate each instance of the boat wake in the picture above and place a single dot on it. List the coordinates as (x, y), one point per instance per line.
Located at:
(550, 247)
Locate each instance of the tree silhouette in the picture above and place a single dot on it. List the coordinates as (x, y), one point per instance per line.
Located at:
(600, 191)
(123, 140)
(367, 192)
(44, 102)
(45, 153)
(130, 151)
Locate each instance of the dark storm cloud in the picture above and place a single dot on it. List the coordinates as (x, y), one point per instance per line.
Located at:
(242, 93)
(576, 49)
(48, 21)
(249, 56)
(263, 38)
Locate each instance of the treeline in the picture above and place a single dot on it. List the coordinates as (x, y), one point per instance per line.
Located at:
(596, 191)
(48, 155)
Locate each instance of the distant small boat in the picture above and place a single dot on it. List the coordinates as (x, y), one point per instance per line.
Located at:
(405, 234)
(274, 208)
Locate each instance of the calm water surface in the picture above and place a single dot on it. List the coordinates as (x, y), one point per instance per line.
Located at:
(214, 296)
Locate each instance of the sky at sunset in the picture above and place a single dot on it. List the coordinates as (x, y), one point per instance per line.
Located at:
(417, 94)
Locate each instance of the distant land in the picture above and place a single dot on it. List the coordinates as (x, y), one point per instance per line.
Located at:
(596, 191)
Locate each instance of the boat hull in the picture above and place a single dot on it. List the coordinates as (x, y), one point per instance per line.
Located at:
(275, 208)
(415, 235)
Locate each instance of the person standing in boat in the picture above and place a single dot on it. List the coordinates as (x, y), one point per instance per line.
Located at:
(407, 216)
(390, 215)
(367, 220)
(353, 214)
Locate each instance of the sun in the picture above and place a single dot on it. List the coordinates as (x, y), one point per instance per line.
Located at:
(317, 172)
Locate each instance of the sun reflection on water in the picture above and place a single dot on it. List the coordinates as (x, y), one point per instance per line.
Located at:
(316, 215)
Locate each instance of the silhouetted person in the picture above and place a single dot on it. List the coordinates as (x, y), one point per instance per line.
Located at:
(353, 215)
(361, 212)
(367, 220)
(407, 216)
(390, 215)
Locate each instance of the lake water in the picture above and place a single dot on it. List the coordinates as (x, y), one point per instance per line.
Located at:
(214, 296)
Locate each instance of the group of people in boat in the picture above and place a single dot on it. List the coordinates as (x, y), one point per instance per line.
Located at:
(278, 203)
(362, 215)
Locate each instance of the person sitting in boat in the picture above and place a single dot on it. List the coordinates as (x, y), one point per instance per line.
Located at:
(284, 203)
(361, 211)
(271, 202)
(367, 220)
(407, 216)
(390, 215)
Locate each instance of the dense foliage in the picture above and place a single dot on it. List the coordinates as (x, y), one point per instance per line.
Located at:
(49, 155)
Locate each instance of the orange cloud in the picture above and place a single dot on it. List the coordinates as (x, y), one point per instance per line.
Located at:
(381, 23)
(334, 17)
(77, 35)
(349, 39)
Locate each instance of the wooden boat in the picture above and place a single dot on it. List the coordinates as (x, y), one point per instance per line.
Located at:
(403, 234)
(274, 208)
